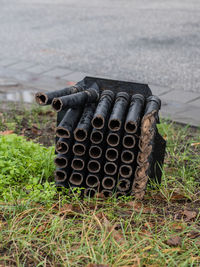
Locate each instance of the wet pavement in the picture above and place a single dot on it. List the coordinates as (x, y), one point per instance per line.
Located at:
(44, 44)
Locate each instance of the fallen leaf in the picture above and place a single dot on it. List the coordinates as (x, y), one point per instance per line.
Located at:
(6, 132)
(193, 234)
(174, 241)
(139, 207)
(177, 196)
(178, 226)
(189, 215)
(195, 144)
(110, 228)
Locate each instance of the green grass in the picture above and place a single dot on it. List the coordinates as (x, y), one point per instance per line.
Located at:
(39, 227)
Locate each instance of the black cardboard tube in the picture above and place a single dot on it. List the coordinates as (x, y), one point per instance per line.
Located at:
(119, 110)
(108, 182)
(128, 141)
(76, 178)
(61, 160)
(95, 152)
(125, 171)
(103, 109)
(90, 192)
(47, 98)
(110, 168)
(68, 123)
(97, 136)
(78, 163)
(92, 180)
(83, 128)
(112, 154)
(134, 113)
(127, 156)
(94, 166)
(63, 145)
(90, 95)
(107, 193)
(60, 175)
(123, 185)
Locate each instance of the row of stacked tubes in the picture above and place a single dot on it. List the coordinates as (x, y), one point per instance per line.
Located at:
(105, 139)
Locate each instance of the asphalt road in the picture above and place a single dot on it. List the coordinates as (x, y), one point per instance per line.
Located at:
(154, 41)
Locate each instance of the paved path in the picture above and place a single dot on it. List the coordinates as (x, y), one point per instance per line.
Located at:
(152, 41)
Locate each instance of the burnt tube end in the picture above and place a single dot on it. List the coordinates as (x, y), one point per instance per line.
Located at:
(113, 139)
(62, 132)
(114, 125)
(90, 192)
(92, 180)
(125, 171)
(106, 193)
(94, 166)
(124, 95)
(127, 156)
(76, 178)
(79, 149)
(62, 147)
(57, 104)
(108, 93)
(108, 182)
(95, 152)
(60, 161)
(112, 154)
(41, 98)
(60, 175)
(77, 164)
(110, 168)
(98, 122)
(80, 134)
(96, 137)
(128, 141)
(123, 185)
(131, 127)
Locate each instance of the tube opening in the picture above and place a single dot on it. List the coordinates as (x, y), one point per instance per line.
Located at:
(127, 156)
(76, 178)
(77, 164)
(96, 137)
(125, 171)
(94, 166)
(92, 181)
(128, 141)
(60, 175)
(110, 168)
(111, 154)
(113, 139)
(80, 135)
(95, 152)
(108, 182)
(79, 149)
(62, 132)
(61, 162)
(98, 122)
(131, 127)
(107, 193)
(41, 98)
(62, 147)
(114, 125)
(120, 194)
(90, 192)
(57, 104)
(123, 185)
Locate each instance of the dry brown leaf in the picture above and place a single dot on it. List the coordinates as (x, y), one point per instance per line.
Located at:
(97, 265)
(174, 241)
(178, 226)
(177, 196)
(6, 132)
(195, 144)
(139, 207)
(189, 215)
(193, 234)
(110, 228)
